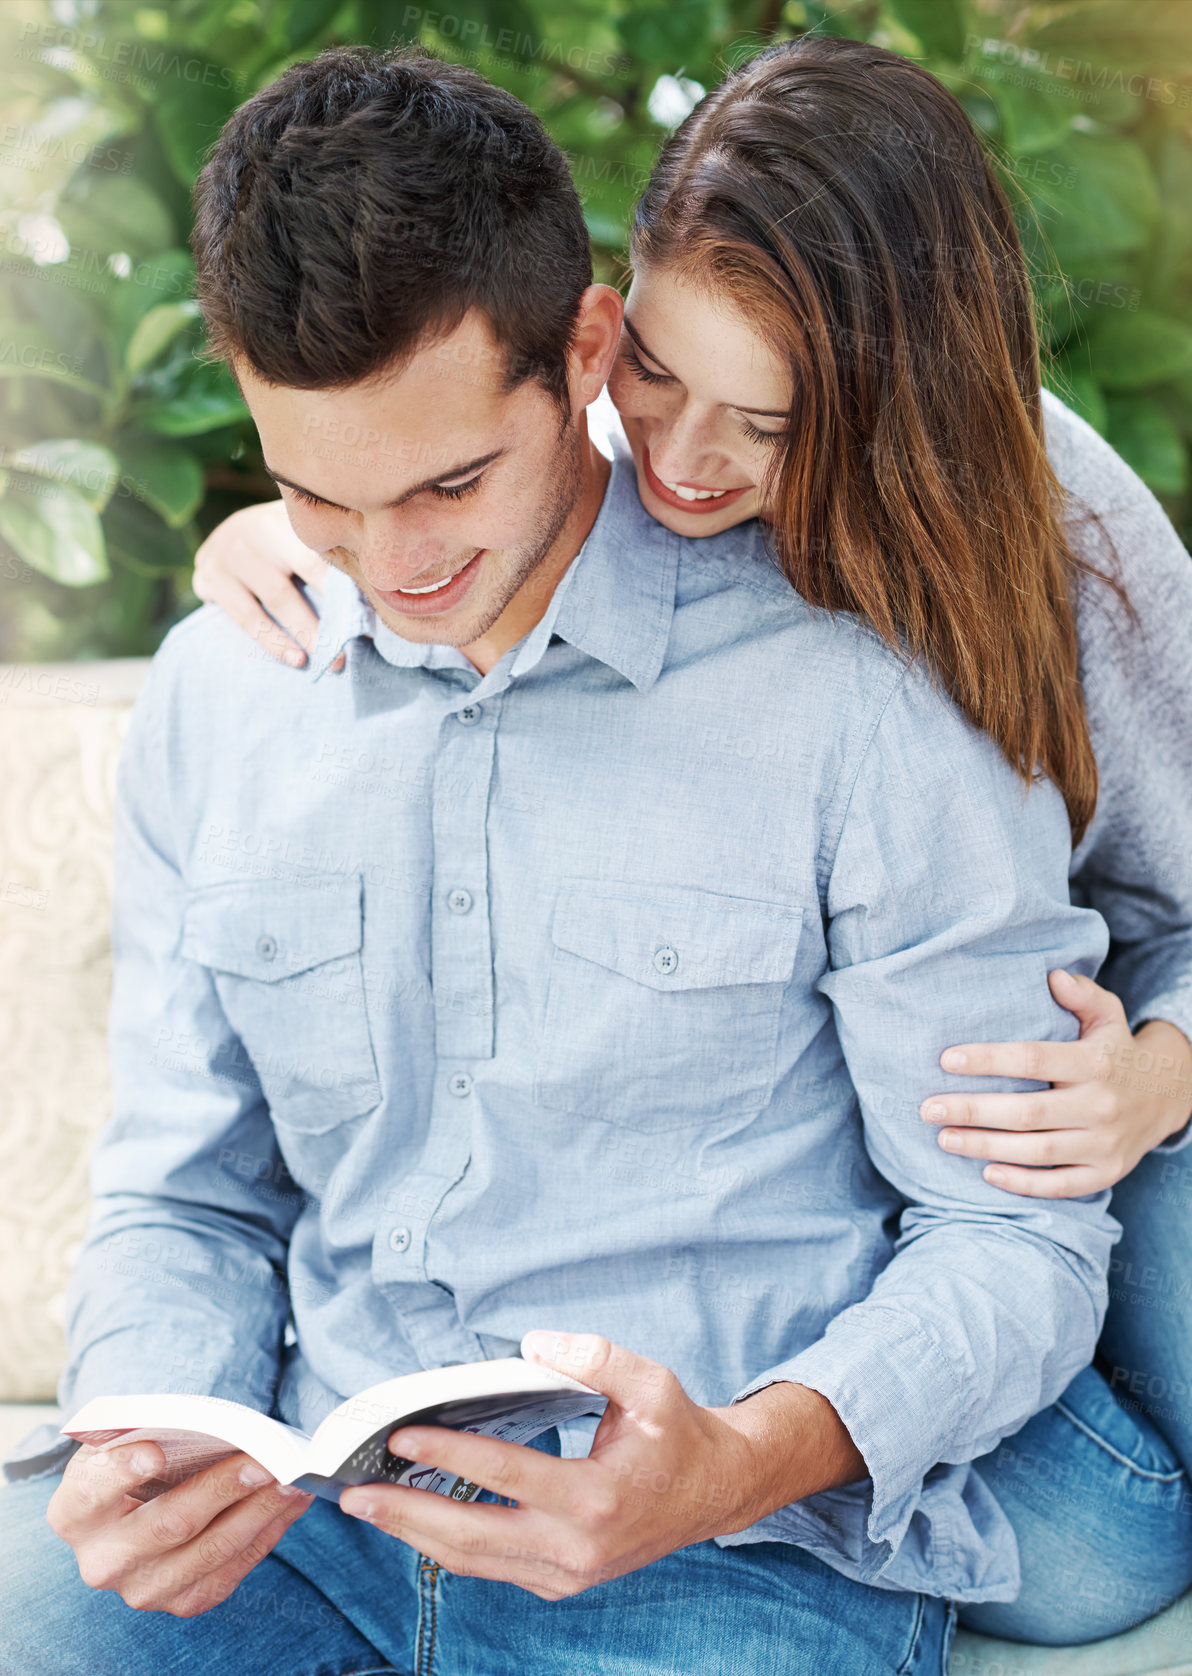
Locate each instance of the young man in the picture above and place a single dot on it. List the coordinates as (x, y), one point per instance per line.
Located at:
(475, 993)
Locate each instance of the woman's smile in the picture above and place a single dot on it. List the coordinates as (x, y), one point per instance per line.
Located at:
(689, 497)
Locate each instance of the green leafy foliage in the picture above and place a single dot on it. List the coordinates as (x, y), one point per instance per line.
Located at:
(120, 445)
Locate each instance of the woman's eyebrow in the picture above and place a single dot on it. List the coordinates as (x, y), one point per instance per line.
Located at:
(761, 412)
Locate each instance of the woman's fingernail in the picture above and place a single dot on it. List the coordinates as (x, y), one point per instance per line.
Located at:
(295, 659)
(953, 1060)
(934, 1112)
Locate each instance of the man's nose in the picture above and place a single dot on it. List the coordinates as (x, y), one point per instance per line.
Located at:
(392, 556)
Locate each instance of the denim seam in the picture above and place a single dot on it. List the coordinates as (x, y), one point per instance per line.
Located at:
(916, 1631)
(427, 1570)
(1139, 1471)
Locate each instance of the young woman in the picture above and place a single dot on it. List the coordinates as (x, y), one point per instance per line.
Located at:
(831, 329)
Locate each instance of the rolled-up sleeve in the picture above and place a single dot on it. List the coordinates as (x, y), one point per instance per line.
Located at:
(948, 905)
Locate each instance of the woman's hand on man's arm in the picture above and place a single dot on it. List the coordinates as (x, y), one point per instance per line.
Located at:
(247, 567)
(1114, 1096)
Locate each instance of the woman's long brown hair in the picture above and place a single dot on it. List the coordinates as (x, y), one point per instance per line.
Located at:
(840, 197)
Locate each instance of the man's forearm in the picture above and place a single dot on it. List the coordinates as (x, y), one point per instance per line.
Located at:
(800, 1443)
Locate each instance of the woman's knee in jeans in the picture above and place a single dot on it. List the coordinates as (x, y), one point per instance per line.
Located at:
(1101, 1509)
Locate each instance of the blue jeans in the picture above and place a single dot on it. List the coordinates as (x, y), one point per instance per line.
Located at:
(1096, 1486)
(339, 1598)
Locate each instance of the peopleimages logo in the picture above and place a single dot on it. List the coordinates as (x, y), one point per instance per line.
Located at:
(1079, 71)
(137, 57)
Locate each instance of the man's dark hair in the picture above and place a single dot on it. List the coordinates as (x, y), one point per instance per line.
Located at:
(364, 201)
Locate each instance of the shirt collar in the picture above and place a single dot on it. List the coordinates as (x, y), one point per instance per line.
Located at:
(615, 601)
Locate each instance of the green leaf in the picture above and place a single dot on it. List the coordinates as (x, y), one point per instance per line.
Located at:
(165, 277)
(1149, 442)
(300, 21)
(1095, 197)
(1121, 34)
(155, 331)
(138, 538)
(169, 480)
(29, 351)
(190, 116)
(938, 25)
(87, 467)
(1033, 118)
(108, 213)
(194, 413)
(56, 532)
(666, 37)
(1130, 351)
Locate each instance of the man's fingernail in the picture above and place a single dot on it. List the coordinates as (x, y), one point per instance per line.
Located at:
(296, 659)
(142, 1461)
(950, 1139)
(253, 1475)
(543, 1345)
(995, 1176)
(934, 1112)
(953, 1060)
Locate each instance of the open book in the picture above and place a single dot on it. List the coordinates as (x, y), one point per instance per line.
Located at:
(510, 1399)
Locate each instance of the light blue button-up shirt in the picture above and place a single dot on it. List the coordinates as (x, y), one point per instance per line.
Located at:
(599, 993)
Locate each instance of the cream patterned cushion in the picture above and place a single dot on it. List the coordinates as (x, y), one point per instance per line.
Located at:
(60, 733)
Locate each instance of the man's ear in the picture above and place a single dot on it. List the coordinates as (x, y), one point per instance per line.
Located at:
(594, 343)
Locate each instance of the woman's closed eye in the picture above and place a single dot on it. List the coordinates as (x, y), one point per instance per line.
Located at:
(756, 434)
(640, 370)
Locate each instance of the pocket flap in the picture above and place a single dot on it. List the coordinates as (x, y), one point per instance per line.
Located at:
(668, 937)
(271, 930)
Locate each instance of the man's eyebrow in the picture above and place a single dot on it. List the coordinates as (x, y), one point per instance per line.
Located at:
(761, 412)
(427, 483)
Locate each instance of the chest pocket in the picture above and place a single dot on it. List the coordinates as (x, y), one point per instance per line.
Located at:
(285, 959)
(663, 1004)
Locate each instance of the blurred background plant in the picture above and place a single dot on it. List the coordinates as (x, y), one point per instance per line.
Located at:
(120, 448)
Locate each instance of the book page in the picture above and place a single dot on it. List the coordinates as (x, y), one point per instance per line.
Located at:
(192, 1432)
(374, 1464)
(186, 1453)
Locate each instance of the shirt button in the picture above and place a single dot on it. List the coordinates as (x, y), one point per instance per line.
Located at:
(470, 714)
(459, 901)
(665, 960)
(266, 947)
(460, 1084)
(399, 1239)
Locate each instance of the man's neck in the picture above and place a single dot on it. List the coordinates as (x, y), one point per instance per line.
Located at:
(528, 606)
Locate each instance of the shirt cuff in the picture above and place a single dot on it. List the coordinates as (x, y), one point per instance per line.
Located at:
(887, 1388)
(1174, 1006)
(42, 1452)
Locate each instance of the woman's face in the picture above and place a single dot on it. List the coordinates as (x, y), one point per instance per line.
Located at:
(703, 401)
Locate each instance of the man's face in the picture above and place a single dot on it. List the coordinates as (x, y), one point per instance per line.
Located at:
(438, 491)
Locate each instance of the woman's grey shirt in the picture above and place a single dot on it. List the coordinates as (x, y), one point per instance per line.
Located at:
(1134, 864)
